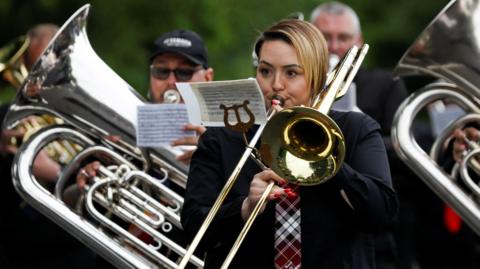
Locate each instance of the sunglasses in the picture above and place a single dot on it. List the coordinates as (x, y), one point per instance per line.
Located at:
(181, 74)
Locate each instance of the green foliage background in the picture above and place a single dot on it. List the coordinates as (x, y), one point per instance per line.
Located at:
(121, 31)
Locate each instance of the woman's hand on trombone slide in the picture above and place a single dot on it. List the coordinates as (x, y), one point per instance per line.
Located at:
(257, 188)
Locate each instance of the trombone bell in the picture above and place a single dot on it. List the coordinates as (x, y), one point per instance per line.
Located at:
(311, 148)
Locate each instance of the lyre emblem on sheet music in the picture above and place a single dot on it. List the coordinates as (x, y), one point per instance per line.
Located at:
(239, 126)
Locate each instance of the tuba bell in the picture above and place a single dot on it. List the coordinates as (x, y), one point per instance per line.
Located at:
(15, 60)
(447, 53)
(70, 82)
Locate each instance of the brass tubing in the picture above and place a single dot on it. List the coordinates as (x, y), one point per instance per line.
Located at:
(223, 194)
(247, 226)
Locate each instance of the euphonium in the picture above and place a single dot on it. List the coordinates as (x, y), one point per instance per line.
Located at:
(447, 52)
(306, 147)
(70, 82)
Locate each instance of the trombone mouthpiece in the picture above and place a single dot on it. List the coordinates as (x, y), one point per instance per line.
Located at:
(278, 100)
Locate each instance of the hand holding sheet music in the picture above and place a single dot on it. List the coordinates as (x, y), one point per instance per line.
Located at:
(160, 124)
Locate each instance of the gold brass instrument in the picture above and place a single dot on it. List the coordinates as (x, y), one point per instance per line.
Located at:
(98, 109)
(299, 156)
(447, 52)
(12, 67)
(61, 151)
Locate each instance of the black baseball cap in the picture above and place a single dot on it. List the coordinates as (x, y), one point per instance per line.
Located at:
(183, 42)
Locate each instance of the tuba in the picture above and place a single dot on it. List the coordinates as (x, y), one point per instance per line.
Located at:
(447, 53)
(70, 82)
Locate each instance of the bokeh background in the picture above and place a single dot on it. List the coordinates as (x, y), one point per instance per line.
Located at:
(122, 31)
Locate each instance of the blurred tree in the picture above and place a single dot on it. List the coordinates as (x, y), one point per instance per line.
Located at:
(121, 31)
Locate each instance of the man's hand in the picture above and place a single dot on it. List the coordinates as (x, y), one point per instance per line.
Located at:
(6, 137)
(45, 169)
(86, 173)
(189, 141)
(460, 144)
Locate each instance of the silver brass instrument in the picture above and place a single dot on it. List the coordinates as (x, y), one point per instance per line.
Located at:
(98, 108)
(171, 96)
(447, 51)
(295, 151)
(14, 71)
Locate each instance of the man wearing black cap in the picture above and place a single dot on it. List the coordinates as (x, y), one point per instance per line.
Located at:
(178, 56)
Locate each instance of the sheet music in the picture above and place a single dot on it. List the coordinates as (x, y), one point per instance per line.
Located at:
(160, 124)
(203, 100)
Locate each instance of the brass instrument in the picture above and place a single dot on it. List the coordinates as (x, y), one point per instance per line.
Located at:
(12, 66)
(14, 71)
(70, 82)
(297, 156)
(460, 169)
(171, 96)
(61, 151)
(447, 52)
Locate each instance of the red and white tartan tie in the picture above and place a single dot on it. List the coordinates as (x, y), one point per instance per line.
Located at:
(288, 253)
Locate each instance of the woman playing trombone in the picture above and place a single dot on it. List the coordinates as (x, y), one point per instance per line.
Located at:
(334, 222)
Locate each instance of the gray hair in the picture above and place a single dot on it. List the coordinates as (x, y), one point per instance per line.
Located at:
(336, 8)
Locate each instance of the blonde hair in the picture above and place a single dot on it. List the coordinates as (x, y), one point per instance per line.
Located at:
(309, 44)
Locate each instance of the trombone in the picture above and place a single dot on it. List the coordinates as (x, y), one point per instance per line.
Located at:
(300, 158)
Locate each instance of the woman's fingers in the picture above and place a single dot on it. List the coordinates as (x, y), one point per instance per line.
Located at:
(259, 186)
(262, 179)
(268, 175)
